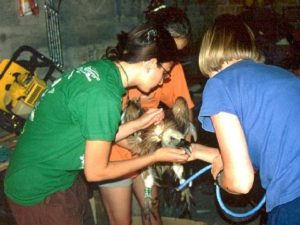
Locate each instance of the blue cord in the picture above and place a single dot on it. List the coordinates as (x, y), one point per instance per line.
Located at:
(193, 177)
(238, 215)
(219, 198)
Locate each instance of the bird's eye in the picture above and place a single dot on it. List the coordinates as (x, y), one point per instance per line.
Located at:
(172, 138)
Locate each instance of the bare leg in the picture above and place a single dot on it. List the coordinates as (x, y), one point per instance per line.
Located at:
(117, 203)
(138, 188)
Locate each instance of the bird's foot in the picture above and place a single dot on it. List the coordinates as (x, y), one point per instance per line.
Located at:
(149, 204)
(186, 197)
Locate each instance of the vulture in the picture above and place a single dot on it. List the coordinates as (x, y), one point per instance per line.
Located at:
(171, 132)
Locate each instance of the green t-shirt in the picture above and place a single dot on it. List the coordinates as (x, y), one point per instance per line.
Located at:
(84, 104)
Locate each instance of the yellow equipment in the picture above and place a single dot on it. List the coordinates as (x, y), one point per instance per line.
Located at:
(19, 89)
(21, 86)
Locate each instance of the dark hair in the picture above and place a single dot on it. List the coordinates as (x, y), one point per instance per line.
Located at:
(173, 19)
(144, 42)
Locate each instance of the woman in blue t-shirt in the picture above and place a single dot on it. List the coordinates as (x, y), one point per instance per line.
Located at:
(254, 109)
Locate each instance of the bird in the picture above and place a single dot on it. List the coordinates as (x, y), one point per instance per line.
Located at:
(170, 132)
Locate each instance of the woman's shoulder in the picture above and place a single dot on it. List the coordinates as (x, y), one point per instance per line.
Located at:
(177, 69)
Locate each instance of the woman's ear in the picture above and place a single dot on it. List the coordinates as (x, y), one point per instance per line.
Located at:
(150, 64)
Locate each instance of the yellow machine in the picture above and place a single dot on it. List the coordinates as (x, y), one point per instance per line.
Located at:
(20, 89)
(21, 86)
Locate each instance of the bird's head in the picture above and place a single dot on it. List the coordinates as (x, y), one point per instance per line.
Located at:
(175, 139)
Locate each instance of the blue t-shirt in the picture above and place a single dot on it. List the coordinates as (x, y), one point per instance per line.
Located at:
(266, 99)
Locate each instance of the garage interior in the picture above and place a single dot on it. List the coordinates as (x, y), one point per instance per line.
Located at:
(53, 36)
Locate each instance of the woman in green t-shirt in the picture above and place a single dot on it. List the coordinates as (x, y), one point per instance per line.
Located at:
(74, 124)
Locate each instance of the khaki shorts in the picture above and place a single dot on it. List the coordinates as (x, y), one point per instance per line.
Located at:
(116, 183)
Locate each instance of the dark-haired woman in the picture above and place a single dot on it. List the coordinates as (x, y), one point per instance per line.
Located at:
(74, 124)
(176, 22)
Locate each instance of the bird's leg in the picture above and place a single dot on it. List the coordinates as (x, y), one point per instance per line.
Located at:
(148, 198)
(186, 195)
(178, 170)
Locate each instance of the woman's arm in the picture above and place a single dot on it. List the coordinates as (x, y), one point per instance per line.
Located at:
(98, 167)
(151, 116)
(204, 153)
(238, 174)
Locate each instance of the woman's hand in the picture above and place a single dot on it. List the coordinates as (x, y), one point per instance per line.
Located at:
(151, 116)
(203, 152)
(217, 166)
(170, 155)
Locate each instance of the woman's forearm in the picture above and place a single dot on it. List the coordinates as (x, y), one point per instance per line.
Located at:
(97, 166)
(204, 153)
(127, 129)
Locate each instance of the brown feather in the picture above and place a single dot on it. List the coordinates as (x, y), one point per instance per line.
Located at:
(148, 140)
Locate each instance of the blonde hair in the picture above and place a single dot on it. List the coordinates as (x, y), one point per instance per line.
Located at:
(226, 40)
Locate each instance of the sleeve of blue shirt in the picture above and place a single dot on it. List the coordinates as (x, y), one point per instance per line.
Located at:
(216, 98)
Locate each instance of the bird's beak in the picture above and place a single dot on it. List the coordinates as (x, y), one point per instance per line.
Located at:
(186, 145)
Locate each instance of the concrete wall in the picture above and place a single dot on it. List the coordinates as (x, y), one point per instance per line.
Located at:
(86, 27)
